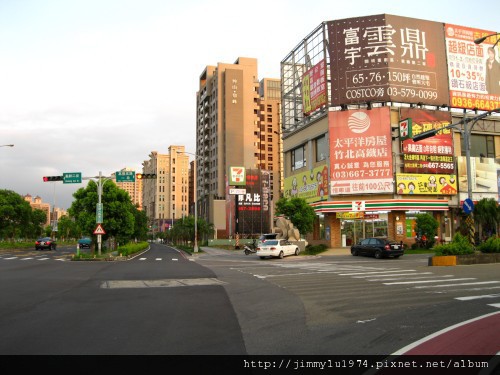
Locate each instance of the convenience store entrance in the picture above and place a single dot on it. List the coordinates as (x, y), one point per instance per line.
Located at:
(355, 229)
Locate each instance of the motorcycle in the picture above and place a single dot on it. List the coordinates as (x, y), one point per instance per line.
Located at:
(250, 250)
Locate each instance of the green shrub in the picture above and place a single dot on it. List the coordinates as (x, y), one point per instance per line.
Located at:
(132, 248)
(491, 245)
(315, 249)
(459, 245)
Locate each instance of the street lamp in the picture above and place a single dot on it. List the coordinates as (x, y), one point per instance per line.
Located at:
(482, 39)
(466, 132)
(195, 247)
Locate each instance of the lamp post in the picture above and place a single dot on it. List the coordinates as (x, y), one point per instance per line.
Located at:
(195, 246)
(468, 124)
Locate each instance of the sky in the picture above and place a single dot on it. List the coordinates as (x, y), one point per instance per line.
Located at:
(94, 86)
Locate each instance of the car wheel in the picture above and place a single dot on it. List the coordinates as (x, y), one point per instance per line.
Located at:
(297, 251)
(354, 253)
(261, 257)
(378, 254)
(397, 256)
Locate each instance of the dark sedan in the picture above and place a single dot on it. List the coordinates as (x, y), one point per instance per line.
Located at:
(378, 248)
(45, 243)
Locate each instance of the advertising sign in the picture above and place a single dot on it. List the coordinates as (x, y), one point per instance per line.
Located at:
(473, 69)
(310, 185)
(435, 184)
(237, 176)
(431, 155)
(484, 173)
(386, 58)
(360, 151)
(314, 88)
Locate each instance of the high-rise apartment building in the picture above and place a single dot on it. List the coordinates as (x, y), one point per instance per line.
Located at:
(237, 124)
(165, 198)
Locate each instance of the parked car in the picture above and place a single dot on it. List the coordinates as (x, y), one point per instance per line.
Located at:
(378, 248)
(45, 243)
(85, 242)
(276, 249)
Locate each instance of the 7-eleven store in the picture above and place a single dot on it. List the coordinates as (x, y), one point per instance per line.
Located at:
(346, 222)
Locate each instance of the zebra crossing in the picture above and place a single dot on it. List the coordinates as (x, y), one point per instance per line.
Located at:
(460, 288)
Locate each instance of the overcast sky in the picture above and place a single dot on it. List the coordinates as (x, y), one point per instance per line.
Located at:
(96, 85)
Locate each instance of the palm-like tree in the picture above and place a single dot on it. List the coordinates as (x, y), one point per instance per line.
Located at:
(487, 215)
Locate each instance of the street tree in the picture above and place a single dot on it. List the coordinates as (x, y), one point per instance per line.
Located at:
(298, 211)
(16, 215)
(118, 211)
(486, 214)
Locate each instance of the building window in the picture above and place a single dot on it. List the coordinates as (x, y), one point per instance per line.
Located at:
(321, 148)
(480, 145)
(299, 157)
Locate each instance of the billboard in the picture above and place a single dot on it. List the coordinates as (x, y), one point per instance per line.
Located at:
(386, 58)
(310, 185)
(434, 184)
(473, 69)
(314, 94)
(360, 151)
(430, 155)
(483, 175)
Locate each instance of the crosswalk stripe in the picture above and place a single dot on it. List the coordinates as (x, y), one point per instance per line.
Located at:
(374, 272)
(428, 281)
(495, 305)
(468, 298)
(429, 274)
(460, 284)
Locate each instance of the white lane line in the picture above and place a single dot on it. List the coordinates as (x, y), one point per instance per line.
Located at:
(447, 286)
(468, 298)
(142, 258)
(175, 259)
(11, 258)
(428, 281)
(27, 258)
(495, 305)
(158, 259)
(411, 277)
(43, 259)
(374, 272)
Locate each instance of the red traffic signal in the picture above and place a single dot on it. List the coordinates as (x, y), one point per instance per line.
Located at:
(52, 178)
(142, 176)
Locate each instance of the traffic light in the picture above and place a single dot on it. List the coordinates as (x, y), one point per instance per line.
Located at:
(142, 176)
(52, 178)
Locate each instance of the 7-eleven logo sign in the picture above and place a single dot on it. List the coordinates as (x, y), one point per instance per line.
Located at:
(405, 131)
(358, 206)
(237, 176)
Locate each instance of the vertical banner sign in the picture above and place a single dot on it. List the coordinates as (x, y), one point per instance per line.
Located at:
(405, 130)
(314, 93)
(473, 69)
(360, 151)
(385, 58)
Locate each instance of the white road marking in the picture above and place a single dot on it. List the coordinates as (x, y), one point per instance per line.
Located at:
(428, 281)
(27, 258)
(468, 298)
(447, 286)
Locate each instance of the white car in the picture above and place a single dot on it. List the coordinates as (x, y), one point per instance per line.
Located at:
(276, 249)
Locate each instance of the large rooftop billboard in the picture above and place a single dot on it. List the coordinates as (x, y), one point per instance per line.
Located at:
(385, 58)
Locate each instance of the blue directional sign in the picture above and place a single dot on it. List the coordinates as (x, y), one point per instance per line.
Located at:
(468, 206)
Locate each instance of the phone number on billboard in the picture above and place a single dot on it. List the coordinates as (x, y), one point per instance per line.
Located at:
(379, 92)
(362, 173)
(474, 103)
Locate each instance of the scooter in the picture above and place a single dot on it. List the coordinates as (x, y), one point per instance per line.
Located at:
(250, 250)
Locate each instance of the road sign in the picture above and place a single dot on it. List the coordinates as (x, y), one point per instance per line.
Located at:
(98, 213)
(99, 229)
(125, 176)
(72, 178)
(468, 206)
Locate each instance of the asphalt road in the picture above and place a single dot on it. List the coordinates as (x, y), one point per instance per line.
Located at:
(218, 302)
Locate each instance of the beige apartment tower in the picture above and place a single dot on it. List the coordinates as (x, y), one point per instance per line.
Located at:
(233, 129)
(165, 198)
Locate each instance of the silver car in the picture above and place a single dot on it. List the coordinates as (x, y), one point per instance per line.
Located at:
(277, 249)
